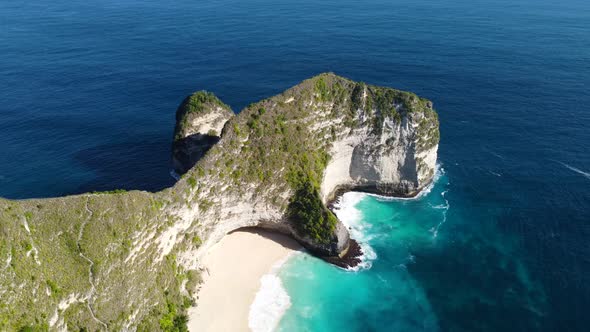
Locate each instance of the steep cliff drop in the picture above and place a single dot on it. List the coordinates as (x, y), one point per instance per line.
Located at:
(356, 137)
(130, 260)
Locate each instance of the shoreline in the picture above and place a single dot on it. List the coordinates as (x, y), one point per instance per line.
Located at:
(234, 269)
(240, 291)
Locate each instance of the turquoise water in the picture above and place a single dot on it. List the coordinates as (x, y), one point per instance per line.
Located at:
(89, 89)
(416, 248)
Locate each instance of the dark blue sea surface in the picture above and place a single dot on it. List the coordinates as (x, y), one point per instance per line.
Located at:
(88, 91)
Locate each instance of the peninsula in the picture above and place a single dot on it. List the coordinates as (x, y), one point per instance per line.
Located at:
(132, 260)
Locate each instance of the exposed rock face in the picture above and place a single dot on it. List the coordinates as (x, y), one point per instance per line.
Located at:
(347, 135)
(398, 161)
(121, 261)
(199, 121)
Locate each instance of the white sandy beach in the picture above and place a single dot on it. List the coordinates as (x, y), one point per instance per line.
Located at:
(235, 266)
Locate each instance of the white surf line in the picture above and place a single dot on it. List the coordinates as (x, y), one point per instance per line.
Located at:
(446, 208)
(577, 170)
(346, 211)
(271, 301)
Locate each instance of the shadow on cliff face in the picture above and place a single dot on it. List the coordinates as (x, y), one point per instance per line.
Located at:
(133, 165)
(282, 239)
(187, 151)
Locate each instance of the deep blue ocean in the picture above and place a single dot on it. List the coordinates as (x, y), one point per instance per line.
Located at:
(88, 92)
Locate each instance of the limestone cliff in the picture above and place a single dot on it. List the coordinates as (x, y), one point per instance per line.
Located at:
(199, 121)
(130, 260)
(394, 155)
(329, 131)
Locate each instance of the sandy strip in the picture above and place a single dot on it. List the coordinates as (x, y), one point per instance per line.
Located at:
(235, 266)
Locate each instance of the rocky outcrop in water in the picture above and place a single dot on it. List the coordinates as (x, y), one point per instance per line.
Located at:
(130, 260)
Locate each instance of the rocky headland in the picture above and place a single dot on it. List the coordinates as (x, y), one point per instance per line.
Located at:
(130, 260)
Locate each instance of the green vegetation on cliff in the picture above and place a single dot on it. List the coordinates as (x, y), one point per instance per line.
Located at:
(195, 105)
(310, 216)
(76, 258)
(306, 209)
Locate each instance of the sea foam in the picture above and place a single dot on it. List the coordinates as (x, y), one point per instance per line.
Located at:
(271, 301)
(345, 209)
(445, 207)
(577, 170)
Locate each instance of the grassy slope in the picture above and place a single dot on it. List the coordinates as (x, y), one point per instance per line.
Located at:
(73, 243)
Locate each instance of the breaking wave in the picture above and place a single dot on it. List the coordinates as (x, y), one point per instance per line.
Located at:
(271, 301)
(345, 209)
(445, 207)
(577, 170)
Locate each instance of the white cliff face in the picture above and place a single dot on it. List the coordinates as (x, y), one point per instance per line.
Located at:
(387, 163)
